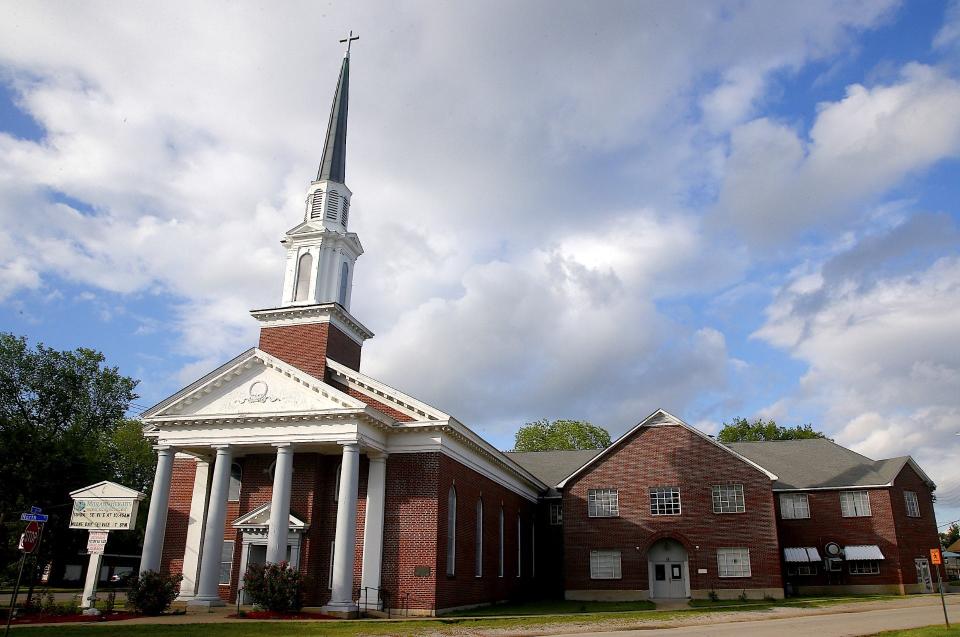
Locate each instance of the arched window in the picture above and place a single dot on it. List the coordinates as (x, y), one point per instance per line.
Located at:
(478, 568)
(500, 556)
(344, 277)
(303, 277)
(236, 479)
(519, 544)
(452, 531)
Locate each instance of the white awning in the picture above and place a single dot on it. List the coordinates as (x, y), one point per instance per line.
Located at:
(865, 552)
(801, 554)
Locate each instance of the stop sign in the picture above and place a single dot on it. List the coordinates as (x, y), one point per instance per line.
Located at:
(30, 537)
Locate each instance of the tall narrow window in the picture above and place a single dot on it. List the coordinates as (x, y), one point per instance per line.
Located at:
(533, 549)
(452, 531)
(303, 277)
(226, 562)
(913, 506)
(336, 483)
(519, 544)
(478, 567)
(236, 478)
(500, 555)
(344, 277)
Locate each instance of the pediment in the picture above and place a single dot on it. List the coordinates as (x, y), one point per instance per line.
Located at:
(306, 227)
(107, 490)
(256, 383)
(259, 520)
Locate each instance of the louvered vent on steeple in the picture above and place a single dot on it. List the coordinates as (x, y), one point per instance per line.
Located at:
(346, 212)
(316, 204)
(333, 205)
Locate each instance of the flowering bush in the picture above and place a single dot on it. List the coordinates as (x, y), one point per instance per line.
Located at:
(276, 587)
(151, 592)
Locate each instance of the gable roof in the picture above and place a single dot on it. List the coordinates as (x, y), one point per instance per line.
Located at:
(552, 466)
(819, 463)
(259, 518)
(107, 490)
(657, 419)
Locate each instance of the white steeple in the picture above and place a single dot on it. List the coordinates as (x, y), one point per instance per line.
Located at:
(321, 252)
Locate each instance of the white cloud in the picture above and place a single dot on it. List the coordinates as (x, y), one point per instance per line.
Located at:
(777, 184)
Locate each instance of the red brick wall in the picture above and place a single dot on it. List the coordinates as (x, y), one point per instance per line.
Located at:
(670, 456)
(307, 347)
(915, 536)
(826, 524)
(178, 515)
(464, 587)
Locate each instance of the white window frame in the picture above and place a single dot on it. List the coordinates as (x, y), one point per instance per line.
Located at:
(227, 563)
(665, 501)
(603, 503)
(913, 505)
(855, 504)
(519, 546)
(802, 569)
(605, 565)
(726, 562)
(728, 498)
(478, 566)
(236, 482)
(556, 514)
(500, 552)
(789, 509)
(452, 532)
(864, 567)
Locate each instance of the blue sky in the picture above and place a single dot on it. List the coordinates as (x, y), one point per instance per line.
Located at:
(744, 209)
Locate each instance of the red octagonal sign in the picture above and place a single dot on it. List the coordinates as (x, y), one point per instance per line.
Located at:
(28, 541)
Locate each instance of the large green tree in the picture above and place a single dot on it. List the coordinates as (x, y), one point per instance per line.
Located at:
(951, 535)
(62, 426)
(543, 435)
(743, 430)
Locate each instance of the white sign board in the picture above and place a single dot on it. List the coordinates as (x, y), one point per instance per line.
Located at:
(116, 515)
(96, 541)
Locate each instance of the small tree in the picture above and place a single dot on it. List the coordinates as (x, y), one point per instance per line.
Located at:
(559, 435)
(951, 535)
(151, 592)
(276, 587)
(742, 430)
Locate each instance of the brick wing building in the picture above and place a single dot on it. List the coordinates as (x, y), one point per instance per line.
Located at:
(289, 453)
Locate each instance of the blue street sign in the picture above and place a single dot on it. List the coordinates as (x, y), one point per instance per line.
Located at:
(34, 517)
(35, 509)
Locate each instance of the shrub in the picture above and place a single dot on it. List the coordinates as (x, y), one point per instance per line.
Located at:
(713, 596)
(151, 592)
(743, 595)
(276, 587)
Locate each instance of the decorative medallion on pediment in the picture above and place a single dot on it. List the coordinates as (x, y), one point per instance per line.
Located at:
(259, 392)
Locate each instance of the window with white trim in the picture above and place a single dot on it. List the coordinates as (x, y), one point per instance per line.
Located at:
(304, 267)
(794, 506)
(236, 482)
(333, 546)
(733, 562)
(855, 504)
(226, 562)
(913, 506)
(500, 552)
(728, 498)
(478, 566)
(603, 503)
(556, 514)
(452, 531)
(533, 549)
(605, 565)
(664, 500)
(801, 569)
(519, 544)
(864, 567)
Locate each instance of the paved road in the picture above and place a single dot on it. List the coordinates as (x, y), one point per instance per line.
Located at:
(847, 624)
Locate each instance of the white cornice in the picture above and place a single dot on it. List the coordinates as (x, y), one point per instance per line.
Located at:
(321, 313)
(384, 393)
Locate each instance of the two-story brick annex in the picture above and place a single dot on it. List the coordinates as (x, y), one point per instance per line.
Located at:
(289, 453)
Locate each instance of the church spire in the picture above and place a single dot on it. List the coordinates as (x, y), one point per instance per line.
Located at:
(334, 159)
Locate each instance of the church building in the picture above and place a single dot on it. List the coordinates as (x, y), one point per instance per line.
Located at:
(288, 452)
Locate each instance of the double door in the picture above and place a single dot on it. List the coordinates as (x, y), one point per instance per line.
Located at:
(668, 580)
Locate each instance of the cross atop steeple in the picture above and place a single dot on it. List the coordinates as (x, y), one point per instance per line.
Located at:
(350, 38)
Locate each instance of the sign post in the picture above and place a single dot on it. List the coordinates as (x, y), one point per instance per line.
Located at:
(99, 509)
(28, 544)
(936, 559)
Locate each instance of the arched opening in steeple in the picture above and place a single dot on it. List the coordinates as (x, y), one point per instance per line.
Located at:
(303, 277)
(344, 282)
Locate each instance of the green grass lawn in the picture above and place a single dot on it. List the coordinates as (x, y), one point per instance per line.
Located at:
(553, 607)
(929, 631)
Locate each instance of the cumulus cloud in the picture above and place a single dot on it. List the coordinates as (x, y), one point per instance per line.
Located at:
(777, 183)
(878, 332)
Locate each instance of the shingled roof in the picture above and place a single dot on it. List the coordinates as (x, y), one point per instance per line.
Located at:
(552, 466)
(822, 464)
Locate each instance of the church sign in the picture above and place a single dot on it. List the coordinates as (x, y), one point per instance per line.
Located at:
(104, 514)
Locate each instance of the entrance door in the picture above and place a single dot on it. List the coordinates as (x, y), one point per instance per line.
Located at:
(667, 561)
(923, 574)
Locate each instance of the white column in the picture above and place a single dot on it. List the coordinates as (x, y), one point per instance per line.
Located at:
(198, 514)
(279, 529)
(341, 598)
(157, 516)
(373, 528)
(208, 590)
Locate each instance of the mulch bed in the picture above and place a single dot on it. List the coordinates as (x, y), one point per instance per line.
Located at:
(64, 619)
(269, 614)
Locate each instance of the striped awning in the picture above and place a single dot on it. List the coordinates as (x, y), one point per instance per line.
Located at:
(801, 554)
(863, 552)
